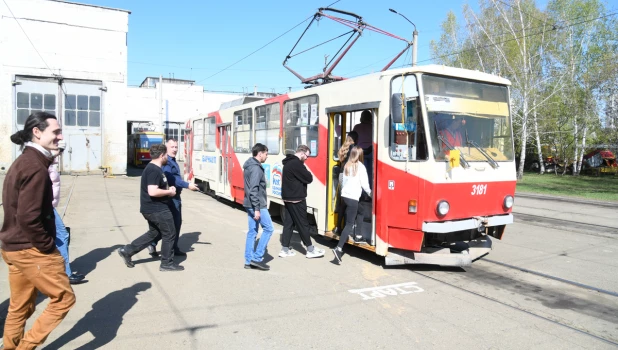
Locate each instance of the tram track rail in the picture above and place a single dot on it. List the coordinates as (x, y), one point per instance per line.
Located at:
(567, 225)
(518, 308)
(69, 197)
(555, 278)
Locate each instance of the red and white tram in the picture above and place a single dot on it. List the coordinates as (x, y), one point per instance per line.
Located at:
(437, 198)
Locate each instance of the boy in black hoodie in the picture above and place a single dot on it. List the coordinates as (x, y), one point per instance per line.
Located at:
(296, 177)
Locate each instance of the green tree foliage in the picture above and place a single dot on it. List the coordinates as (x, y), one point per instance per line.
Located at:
(562, 62)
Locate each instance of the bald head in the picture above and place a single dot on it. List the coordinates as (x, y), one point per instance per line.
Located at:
(172, 147)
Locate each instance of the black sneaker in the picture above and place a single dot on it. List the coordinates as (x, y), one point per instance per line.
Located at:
(126, 257)
(338, 255)
(260, 265)
(179, 253)
(76, 278)
(248, 267)
(171, 268)
(152, 250)
(359, 240)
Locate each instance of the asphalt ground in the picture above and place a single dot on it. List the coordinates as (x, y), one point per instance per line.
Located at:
(312, 303)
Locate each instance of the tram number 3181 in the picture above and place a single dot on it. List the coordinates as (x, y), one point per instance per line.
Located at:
(478, 190)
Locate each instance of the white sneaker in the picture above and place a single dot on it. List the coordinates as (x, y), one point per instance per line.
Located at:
(316, 253)
(284, 254)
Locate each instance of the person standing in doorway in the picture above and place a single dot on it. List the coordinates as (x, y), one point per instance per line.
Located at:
(28, 236)
(365, 141)
(172, 173)
(295, 179)
(256, 205)
(355, 180)
(154, 197)
(351, 141)
(62, 234)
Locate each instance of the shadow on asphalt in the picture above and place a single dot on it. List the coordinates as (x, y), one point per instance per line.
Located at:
(86, 263)
(133, 171)
(104, 320)
(186, 242)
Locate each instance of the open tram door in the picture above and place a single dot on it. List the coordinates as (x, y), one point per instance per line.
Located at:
(342, 120)
(225, 158)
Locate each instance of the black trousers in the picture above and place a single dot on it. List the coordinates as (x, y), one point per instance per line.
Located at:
(160, 227)
(295, 215)
(353, 217)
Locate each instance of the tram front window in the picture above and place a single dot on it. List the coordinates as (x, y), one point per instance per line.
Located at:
(468, 116)
(146, 141)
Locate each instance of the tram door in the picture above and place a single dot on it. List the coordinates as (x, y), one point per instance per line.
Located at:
(225, 158)
(341, 122)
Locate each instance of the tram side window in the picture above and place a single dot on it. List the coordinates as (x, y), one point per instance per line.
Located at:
(198, 135)
(407, 134)
(301, 124)
(243, 131)
(210, 131)
(267, 124)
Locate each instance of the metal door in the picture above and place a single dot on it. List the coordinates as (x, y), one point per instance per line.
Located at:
(82, 121)
(225, 159)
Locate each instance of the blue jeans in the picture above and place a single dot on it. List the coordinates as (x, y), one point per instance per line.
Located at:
(62, 241)
(267, 227)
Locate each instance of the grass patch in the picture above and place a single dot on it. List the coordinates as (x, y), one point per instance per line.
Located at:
(601, 188)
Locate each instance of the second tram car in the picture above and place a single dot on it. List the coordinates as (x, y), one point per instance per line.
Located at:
(442, 162)
(138, 144)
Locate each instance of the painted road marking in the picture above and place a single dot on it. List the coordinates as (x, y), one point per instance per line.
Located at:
(384, 291)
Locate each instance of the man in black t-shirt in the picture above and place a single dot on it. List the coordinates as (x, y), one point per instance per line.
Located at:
(154, 195)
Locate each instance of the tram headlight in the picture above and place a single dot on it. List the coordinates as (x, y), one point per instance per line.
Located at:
(508, 201)
(443, 208)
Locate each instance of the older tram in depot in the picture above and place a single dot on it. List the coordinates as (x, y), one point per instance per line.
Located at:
(438, 198)
(138, 146)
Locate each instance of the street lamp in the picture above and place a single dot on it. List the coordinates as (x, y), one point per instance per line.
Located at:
(414, 36)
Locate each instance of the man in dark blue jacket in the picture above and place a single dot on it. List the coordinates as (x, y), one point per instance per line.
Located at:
(172, 173)
(256, 204)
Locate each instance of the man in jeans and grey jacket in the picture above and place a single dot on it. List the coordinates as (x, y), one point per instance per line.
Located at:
(257, 208)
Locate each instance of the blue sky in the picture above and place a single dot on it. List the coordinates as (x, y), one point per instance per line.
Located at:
(196, 39)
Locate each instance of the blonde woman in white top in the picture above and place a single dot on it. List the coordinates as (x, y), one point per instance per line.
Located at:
(354, 182)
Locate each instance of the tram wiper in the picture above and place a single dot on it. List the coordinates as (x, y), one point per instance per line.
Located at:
(490, 160)
(464, 162)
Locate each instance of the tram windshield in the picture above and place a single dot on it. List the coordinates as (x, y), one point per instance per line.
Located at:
(471, 117)
(145, 141)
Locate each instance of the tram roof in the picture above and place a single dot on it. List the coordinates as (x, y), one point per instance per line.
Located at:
(430, 69)
(447, 71)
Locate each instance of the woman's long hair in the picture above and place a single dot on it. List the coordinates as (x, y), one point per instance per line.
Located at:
(350, 140)
(351, 167)
(35, 120)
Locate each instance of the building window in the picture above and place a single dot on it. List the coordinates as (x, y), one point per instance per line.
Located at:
(171, 132)
(198, 135)
(210, 131)
(28, 103)
(301, 124)
(243, 131)
(81, 110)
(267, 125)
